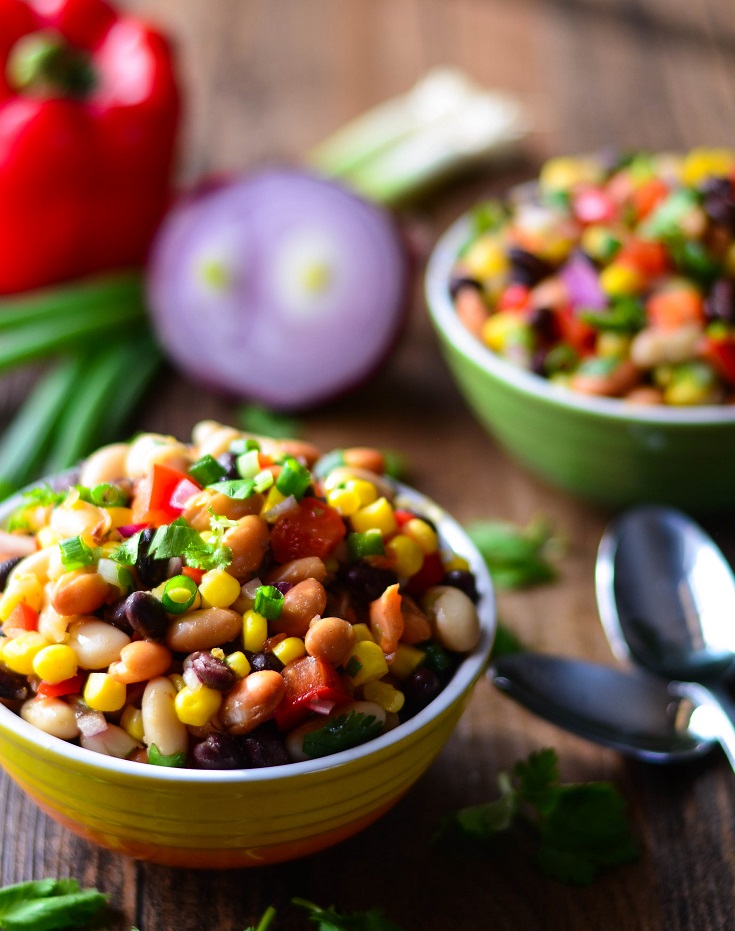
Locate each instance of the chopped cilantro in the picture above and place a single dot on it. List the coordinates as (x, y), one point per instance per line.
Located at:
(265, 922)
(49, 904)
(341, 733)
(44, 495)
(126, 553)
(179, 539)
(328, 919)
(238, 489)
(517, 557)
(506, 642)
(581, 828)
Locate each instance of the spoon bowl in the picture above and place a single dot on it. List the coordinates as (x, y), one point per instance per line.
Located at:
(631, 712)
(666, 597)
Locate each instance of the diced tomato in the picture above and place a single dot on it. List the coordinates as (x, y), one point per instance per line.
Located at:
(720, 352)
(152, 502)
(649, 258)
(403, 517)
(674, 307)
(22, 617)
(68, 687)
(312, 529)
(516, 297)
(195, 574)
(648, 196)
(578, 334)
(309, 681)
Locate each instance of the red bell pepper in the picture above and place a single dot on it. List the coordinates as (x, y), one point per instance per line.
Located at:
(719, 350)
(310, 682)
(68, 687)
(160, 496)
(89, 112)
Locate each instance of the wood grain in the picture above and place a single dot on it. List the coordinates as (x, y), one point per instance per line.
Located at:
(266, 81)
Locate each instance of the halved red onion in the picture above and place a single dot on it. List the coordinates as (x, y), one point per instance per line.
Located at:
(280, 287)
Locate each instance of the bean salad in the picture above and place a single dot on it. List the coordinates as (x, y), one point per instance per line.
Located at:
(611, 275)
(233, 602)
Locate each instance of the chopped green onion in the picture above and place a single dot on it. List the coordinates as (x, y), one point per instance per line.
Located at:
(353, 667)
(248, 465)
(156, 758)
(293, 479)
(179, 594)
(263, 481)
(268, 602)
(244, 445)
(116, 575)
(207, 471)
(75, 554)
(108, 496)
(360, 545)
(331, 460)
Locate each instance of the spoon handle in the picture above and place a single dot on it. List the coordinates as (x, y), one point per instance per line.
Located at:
(714, 715)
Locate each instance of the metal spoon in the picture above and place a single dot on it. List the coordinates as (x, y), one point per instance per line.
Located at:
(666, 597)
(632, 712)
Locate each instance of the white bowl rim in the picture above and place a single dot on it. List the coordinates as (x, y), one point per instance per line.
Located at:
(469, 671)
(441, 309)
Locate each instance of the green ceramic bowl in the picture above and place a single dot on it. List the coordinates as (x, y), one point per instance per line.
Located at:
(600, 449)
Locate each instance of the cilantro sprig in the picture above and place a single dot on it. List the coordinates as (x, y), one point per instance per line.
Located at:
(178, 539)
(341, 733)
(328, 919)
(517, 557)
(580, 828)
(49, 904)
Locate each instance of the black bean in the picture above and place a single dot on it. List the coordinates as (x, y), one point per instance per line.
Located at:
(218, 751)
(458, 282)
(544, 323)
(228, 461)
(146, 615)
(719, 201)
(719, 304)
(365, 583)
(526, 268)
(463, 580)
(151, 571)
(13, 687)
(6, 568)
(211, 671)
(116, 615)
(284, 587)
(421, 687)
(263, 747)
(265, 660)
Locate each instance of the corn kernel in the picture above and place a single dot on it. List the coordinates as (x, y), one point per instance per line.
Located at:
(254, 631)
(504, 329)
(560, 174)
(103, 693)
(131, 721)
(273, 498)
(19, 652)
(366, 492)
(177, 681)
(25, 587)
(385, 695)
(613, 345)
(406, 555)
(290, 649)
(365, 663)
(238, 663)
(620, 280)
(344, 501)
(219, 589)
(47, 537)
(197, 707)
(362, 632)
(485, 258)
(456, 563)
(423, 533)
(55, 663)
(120, 516)
(375, 516)
(406, 660)
(702, 163)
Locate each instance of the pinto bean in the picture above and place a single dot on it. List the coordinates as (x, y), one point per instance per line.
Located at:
(140, 661)
(150, 449)
(618, 382)
(248, 542)
(80, 592)
(471, 310)
(203, 629)
(330, 639)
(253, 701)
(199, 509)
(308, 567)
(105, 465)
(301, 604)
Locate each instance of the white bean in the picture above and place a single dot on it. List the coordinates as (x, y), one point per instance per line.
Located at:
(655, 346)
(453, 617)
(52, 716)
(52, 625)
(151, 448)
(161, 725)
(96, 643)
(36, 564)
(107, 464)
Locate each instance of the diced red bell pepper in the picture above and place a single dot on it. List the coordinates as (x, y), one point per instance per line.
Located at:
(675, 306)
(312, 529)
(89, 114)
(648, 196)
(577, 333)
(309, 680)
(649, 258)
(70, 686)
(403, 517)
(431, 573)
(160, 495)
(196, 575)
(22, 617)
(516, 297)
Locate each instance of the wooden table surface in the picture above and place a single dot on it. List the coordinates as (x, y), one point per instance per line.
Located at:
(267, 80)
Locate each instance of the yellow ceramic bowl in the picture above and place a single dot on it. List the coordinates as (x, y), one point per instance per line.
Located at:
(215, 819)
